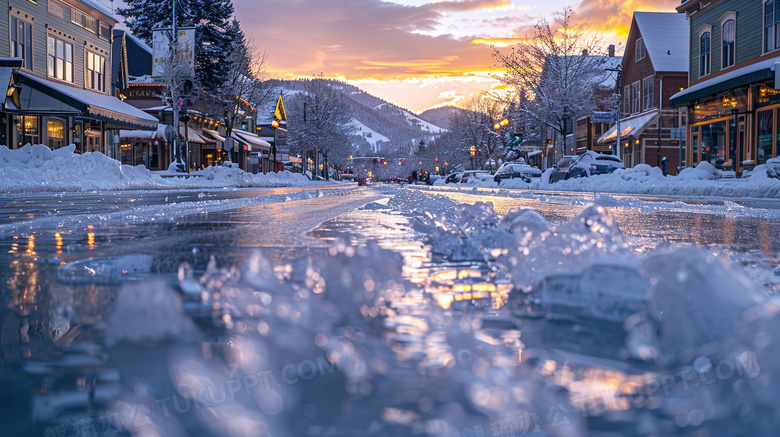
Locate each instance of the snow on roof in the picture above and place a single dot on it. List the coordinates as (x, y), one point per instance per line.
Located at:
(100, 7)
(769, 63)
(630, 126)
(140, 42)
(94, 99)
(666, 37)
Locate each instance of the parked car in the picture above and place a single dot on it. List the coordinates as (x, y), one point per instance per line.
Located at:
(475, 175)
(512, 170)
(453, 178)
(561, 168)
(587, 164)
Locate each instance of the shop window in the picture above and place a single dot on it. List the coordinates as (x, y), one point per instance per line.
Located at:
(704, 54)
(55, 132)
(60, 59)
(729, 33)
(28, 130)
(713, 143)
(765, 135)
(771, 22)
(21, 42)
(95, 72)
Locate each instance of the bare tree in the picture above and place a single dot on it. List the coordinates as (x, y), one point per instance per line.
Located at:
(319, 118)
(557, 71)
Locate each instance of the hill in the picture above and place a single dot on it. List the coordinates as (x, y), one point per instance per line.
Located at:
(381, 127)
(440, 116)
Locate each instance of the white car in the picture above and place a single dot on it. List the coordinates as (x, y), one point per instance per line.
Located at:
(471, 175)
(512, 170)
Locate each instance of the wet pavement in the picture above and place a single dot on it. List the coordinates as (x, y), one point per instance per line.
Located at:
(62, 271)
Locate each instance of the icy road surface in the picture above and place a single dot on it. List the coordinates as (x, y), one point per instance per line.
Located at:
(387, 311)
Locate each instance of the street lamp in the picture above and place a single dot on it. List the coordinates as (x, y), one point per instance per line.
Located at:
(275, 125)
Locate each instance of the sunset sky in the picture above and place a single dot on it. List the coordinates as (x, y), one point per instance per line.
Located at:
(414, 53)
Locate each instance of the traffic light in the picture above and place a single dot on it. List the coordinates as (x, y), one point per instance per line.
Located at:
(183, 115)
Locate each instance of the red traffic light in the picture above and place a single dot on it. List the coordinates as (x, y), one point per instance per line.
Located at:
(436, 159)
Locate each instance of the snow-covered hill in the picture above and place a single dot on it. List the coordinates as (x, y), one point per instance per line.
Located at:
(381, 127)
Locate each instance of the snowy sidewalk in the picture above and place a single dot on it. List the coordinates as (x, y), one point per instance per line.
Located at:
(37, 168)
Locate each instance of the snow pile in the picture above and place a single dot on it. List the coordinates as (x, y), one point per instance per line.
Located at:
(38, 168)
(703, 180)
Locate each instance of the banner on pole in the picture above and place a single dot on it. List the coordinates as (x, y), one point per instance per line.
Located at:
(185, 52)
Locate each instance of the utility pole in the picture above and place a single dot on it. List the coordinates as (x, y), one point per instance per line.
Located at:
(175, 86)
(619, 86)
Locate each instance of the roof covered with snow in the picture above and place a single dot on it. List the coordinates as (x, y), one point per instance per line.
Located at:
(666, 37)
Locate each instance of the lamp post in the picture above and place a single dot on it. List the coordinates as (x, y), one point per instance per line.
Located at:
(472, 152)
(275, 125)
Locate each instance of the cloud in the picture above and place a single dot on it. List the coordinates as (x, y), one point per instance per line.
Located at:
(359, 38)
(614, 16)
(469, 5)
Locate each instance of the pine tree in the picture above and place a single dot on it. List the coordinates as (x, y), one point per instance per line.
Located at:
(211, 19)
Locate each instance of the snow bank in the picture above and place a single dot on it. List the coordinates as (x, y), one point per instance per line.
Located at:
(37, 168)
(703, 180)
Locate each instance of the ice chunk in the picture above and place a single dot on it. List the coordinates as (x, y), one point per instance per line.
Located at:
(695, 300)
(149, 312)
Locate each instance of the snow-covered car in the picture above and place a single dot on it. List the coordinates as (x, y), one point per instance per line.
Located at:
(471, 175)
(521, 170)
(587, 164)
(561, 168)
(453, 178)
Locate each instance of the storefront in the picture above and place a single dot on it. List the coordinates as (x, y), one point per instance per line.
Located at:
(148, 148)
(40, 111)
(733, 118)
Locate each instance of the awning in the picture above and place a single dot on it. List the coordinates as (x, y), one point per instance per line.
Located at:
(214, 134)
(6, 73)
(144, 134)
(194, 137)
(41, 96)
(630, 127)
(758, 72)
(252, 140)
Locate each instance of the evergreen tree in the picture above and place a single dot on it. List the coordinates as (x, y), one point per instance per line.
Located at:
(211, 19)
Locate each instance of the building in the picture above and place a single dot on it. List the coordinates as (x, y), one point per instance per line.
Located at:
(732, 98)
(655, 66)
(57, 77)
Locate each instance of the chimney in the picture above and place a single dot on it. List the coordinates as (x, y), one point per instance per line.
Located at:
(585, 52)
(611, 50)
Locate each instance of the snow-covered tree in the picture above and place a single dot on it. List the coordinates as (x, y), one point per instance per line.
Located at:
(556, 73)
(211, 19)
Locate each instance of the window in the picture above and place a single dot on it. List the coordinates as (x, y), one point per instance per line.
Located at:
(771, 21)
(81, 19)
(728, 43)
(60, 59)
(635, 97)
(641, 52)
(55, 128)
(704, 54)
(647, 92)
(627, 100)
(21, 42)
(105, 31)
(95, 72)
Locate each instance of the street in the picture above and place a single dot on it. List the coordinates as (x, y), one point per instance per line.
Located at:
(379, 310)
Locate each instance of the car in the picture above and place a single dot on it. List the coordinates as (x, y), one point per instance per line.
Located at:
(561, 168)
(587, 164)
(512, 170)
(471, 175)
(453, 178)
